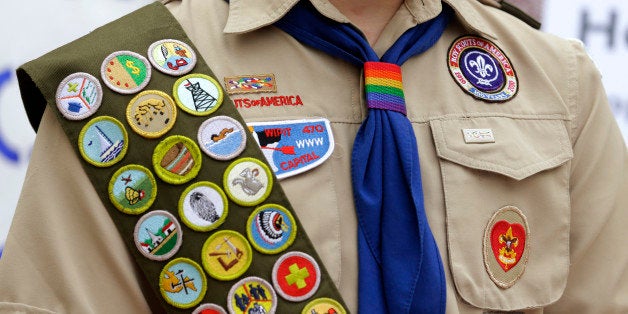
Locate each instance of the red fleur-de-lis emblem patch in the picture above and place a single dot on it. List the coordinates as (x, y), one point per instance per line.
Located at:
(508, 243)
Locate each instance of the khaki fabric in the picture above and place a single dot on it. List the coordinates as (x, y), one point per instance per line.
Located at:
(558, 157)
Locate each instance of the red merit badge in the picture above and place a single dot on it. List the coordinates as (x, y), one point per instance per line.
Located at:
(296, 276)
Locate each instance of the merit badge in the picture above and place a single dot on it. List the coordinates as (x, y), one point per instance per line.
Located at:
(226, 255)
(324, 305)
(482, 69)
(78, 96)
(506, 246)
(151, 113)
(158, 235)
(203, 206)
(248, 181)
(243, 84)
(172, 57)
(103, 141)
(296, 276)
(252, 295)
(125, 72)
(293, 147)
(182, 283)
(198, 94)
(222, 137)
(132, 189)
(271, 228)
(177, 159)
(209, 308)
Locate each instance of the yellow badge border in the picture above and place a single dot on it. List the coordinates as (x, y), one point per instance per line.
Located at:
(203, 288)
(141, 132)
(291, 237)
(82, 136)
(163, 147)
(234, 197)
(216, 224)
(205, 253)
(150, 201)
(175, 94)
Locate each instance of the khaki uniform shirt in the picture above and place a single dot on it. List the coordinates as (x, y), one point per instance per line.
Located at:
(558, 157)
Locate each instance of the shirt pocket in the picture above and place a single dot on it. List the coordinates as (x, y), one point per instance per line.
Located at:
(506, 187)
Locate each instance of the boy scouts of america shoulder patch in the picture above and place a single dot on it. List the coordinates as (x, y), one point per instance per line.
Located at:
(482, 69)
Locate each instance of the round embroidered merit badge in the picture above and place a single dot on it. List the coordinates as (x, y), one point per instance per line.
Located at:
(132, 189)
(177, 159)
(252, 295)
(103, 141)
(125, 72)
(158, 235)
(203, 206)
(482, 69)
(151, 113)
(248, 181)
(172, 57)
(271, 228)
(296, 276)
(222, 137)
(79, 96)
(198, 94)
(324, 305)
(226, 255)
(209, 308)
(182, 283)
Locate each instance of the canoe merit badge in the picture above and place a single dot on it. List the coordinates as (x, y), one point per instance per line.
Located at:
(79, 96)
(293, 147)
(203, 206)
(132, 189)
(324, 305)
(226, 255)
(506, 248)
(151, 113)
(209, 308)
(125, 72)
(222, 137)
(248, 181)
(177, 159)
(252, 295)
(158, 235)
(182, 283)
(296, 276)
(172, 57)
(482, 69)
(271, 229)
(198, 94)
(103, 141)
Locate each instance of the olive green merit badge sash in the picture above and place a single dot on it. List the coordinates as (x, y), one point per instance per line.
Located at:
(184, 181)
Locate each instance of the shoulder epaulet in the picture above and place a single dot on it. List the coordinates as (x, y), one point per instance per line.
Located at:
(513, 10)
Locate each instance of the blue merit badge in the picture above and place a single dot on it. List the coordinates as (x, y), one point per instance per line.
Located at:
(295, 146)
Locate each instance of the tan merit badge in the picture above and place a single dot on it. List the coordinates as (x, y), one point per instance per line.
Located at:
(151, 113)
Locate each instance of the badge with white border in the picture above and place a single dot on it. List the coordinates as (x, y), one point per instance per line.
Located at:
(296, 276)
(132, 189)
(103, 141)
(506, 248)
(271, 228)
(79, 96)
(151, 113)
(198, 94)
(209, 308)
(182, 283)
(177, 159)
(324, 305)
(203, 206)
(172, 57)
(226, 255)
(252, 295)
(248, 181)
(222, 137)
(158, 235)
(482, 69)
(125, 72)
(295, 146)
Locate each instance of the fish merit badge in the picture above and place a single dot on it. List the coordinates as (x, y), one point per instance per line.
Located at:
(252, 295)
(481, 69)
(158, 235)
(203, 206)
(248, 181)
(198, 94)
(172, 57)
(79, 96)
(103, 141)
(271, 228)
(182, 283)
(506, 246)
(296, 276)
(293, 147)
(226, 255)
(324, 305)
(177, 159)
(125, 72)
(222, 137)
(132, 189)
(151, 113)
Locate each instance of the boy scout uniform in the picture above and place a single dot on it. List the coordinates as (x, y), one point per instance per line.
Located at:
(552, 154)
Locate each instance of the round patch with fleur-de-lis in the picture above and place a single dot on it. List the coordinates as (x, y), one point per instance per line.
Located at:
(182, 283)
(248, 181)
(132, 189)
(151, 113)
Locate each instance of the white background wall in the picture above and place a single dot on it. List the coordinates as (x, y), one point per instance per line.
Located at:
(31, 28)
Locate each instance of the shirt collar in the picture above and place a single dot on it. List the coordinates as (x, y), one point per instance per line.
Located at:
(246, 16)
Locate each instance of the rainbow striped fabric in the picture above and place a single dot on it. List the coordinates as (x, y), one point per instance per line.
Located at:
(383, 86)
